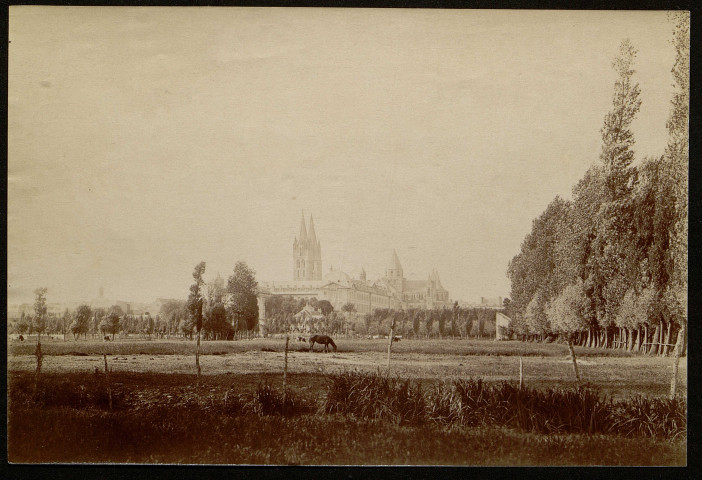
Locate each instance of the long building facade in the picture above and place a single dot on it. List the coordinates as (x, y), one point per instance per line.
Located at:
(391, 291)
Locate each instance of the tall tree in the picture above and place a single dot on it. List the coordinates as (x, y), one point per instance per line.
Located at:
(533, 269)
(617, 152)
(65, 322)
(243, 289)
(609, 271)
(325, 306)
(195, 303)
(40, 310)
(81, 322)
(40, 325)
(535, 315)
(677, 156)
(216, 324)
(677, 152)
(110, 324)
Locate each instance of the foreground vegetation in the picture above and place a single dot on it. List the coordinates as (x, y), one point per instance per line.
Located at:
(337, 419)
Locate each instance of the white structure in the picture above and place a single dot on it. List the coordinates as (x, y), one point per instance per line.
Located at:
(502, 323)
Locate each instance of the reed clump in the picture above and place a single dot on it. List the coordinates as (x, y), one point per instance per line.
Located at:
(474, 403)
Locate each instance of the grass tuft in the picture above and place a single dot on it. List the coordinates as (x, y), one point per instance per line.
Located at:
(267, 400)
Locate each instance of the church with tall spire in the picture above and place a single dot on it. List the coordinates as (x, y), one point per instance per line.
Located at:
(307, 253)
(391, 291)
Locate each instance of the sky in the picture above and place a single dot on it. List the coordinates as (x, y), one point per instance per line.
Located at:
(142, 141)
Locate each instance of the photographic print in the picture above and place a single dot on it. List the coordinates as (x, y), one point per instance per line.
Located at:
(327, 236)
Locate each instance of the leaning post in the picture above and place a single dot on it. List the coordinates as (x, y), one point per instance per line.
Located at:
(392, 327)
(678, 351)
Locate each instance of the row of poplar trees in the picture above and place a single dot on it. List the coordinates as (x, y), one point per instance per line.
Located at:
(609, 267)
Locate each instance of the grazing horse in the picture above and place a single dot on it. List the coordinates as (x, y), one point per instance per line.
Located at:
(322, 340)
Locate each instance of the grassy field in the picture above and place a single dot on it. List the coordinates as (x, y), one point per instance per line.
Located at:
(138, 346)
(544, 364)
(159, 413)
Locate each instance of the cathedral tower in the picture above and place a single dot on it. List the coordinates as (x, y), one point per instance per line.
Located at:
(393, 274)
(307, 254)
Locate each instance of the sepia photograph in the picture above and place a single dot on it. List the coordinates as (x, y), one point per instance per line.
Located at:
(347, 236)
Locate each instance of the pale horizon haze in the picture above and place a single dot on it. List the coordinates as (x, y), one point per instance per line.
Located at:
(143, 140)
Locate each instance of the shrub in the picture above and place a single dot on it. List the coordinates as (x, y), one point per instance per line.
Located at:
(92, 392)
(267, 400)
(407, 403)
(233, 405)
(374, 396)
(443, 405)
(652, 417)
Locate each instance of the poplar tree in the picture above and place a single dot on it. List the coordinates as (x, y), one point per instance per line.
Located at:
(609, 273)
(195, 302)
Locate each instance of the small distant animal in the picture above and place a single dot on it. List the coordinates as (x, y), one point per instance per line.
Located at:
(302, 339)
(322, 340)
(21, 338)
(107, 338)
(396, 339)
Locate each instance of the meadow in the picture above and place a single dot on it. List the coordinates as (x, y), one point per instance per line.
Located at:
(179, 346)
(160, 414)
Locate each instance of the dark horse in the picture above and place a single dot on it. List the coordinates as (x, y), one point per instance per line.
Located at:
(322, 340)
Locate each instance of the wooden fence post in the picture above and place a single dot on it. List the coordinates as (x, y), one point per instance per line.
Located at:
(678, 351)
(521, 373)
(392, 327)
(39, 356)
(285, 366)
(107, 380)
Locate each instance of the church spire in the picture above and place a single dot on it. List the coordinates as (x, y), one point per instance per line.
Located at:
(312, 235)
(303, 229)
(395, 261)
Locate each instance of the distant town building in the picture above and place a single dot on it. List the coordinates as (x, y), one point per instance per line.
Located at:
(391, 291)
(493, 302)
(502, 323)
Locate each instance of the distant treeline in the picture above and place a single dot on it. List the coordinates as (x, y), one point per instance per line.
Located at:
(228, 310)
(420, 323)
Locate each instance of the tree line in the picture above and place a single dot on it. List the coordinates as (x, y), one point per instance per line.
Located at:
(229, 310)
(609, 267)
(457, 322)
